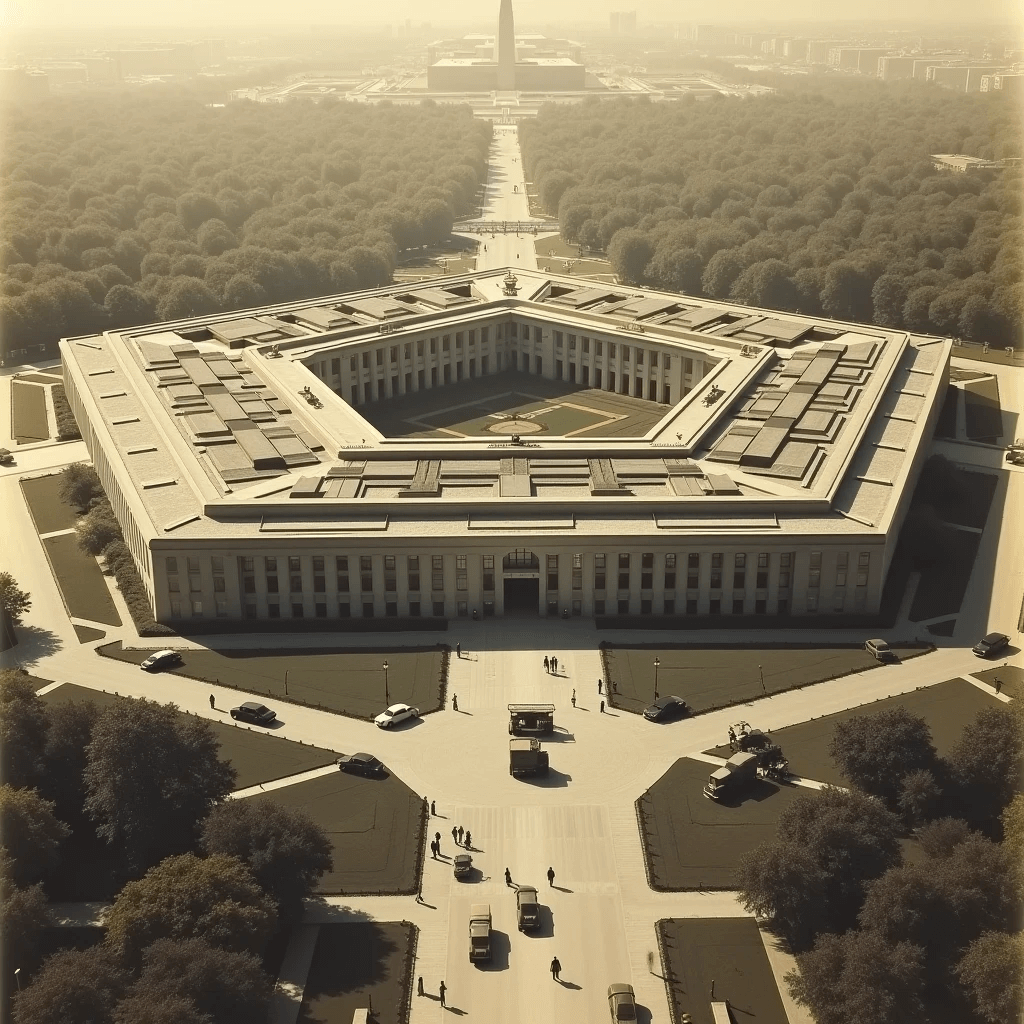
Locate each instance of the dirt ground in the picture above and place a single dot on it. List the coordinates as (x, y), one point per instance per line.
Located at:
(48, 512)
(946, 707)
(348, 682)
(358, 965)
(374, 825)
(724, 955)
(81, 581)
(692, 842)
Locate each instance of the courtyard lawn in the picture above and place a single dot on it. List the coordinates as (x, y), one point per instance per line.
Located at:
(49, 513)
(28, 413)
(375, 825)
(81, 581)
(356, 965)
(1009, 677)
(347, 682)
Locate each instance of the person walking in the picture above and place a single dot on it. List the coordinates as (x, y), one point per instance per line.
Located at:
(469, 840)
(437, 838)
(213, 701)
(573, 698)
(508, 877)
(551, 877)
(455, 834)
(556, 968)
(602, 707)
(599, 686)
(459, 840)
(433, 809)
(547, 664)
(554, 665)
(455, 702)
(419, 985)
(442, 988)
(732, 738)
(458, 650)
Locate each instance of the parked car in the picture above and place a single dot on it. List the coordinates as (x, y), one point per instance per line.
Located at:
(621, 1002)
(462, 864)
(257, 714)
(161, 659)
(665, 708)
(991, 643)
(879, 650)
(360, 764)
(527, 908)
(6, 458)
(395, 714)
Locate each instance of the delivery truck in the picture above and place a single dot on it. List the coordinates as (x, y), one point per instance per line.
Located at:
(733, 777)
(479, 933)
(526, 758)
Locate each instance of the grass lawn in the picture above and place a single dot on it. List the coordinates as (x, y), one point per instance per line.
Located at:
(983, 416)
(81, 581)
(48, 512)
(728, 954)
(1010, 677)
(943, 585)
(87, 633)
(691, 842)
(355, 965)
(946, 707)
(28, 413)
(714, 677)
(348, 682)
(993, 355)
(375, 827)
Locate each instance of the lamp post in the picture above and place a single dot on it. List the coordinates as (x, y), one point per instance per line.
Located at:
(657, 665)
(387, 699)
(760, 672)
(17, 977)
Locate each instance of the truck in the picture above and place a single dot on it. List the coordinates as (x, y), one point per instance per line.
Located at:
(479, 932)
(733, 777)
(527, 908)
(526, 758)
(531, 719)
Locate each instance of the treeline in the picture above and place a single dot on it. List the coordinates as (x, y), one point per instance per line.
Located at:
(122, 209)
(822, 204)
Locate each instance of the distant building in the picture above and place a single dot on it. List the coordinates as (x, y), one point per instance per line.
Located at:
(796, 49)
(66, 72)
(960, 77)
(1012, 84)
(959, 163)
(890, 69)
(102, 70)
(818, 51)
(176, 59)
(22, 85)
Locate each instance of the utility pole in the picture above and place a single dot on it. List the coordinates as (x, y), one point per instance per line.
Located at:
(657, 665)
(387, 699)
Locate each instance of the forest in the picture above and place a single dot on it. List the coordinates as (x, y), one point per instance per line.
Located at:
(819, 199)
(128, 208)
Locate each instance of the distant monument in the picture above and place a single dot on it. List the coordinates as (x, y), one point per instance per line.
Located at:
(506, 47)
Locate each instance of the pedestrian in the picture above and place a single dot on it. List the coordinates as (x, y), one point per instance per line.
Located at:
(573, 698)
(469, 840)
(551, 876)
(213, 701)
(602, 707)
(455, 834)
(433, 848)
(732, 738)
(419, 986)
(599, 686)
(437, 837)
(547, 664)
(442, 988)
(459, 840)
(433, 809)
(458, 650)
(455, 702)
(615, 687)
(554, 665)
(508, 877)
(556, 968)
(999, 686)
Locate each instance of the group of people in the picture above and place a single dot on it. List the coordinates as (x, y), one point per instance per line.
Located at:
(551, 664)
(458, 834)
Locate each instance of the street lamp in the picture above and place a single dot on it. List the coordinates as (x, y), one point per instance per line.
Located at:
(657, 665)
(760, 672)
(387, 699)
(17, 977)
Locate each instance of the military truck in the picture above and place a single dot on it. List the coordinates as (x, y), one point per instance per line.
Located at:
(526, 758)
(479, 933)
(733, 777)
(531, 719)
(527, 908)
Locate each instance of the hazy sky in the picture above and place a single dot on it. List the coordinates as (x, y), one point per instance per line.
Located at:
(57, 14)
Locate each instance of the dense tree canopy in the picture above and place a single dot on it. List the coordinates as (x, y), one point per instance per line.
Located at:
(30, 832)
(23, 728)
(817, 203)
(122, 208)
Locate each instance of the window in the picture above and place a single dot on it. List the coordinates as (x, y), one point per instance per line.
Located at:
(446, 343)
(194, 585)
(692, 579)
(389, 562)
(760, 607)
(669, 606)
(814, 578)
(488, 572)
(716, 579)
(458, 339)
(654, 359)
(319, 584)
(270, 564)
(414, 609)
(344, 610)
(251, 610)
(218, 584)
(552, 567)
(484, 334)
(716, 560)
(343, 582)
(586, 344)
(864, 559)
(639, 357)
(367, 609)
(438, 609)
(433, 346)
(611, 350)
(274, 610)
(737, 606)
(840, 579)
(394, 353)
(391, 609)
(380, 357)
(437, 572)
(366, 360)
(174, 587)
(598, 347)
(623, 561)
(843, 560)
(336, 367)
(318, 563)
(715, 606)
(670, 572)
(625, 353)
(197, 608)
(762, 561)
(461, 609)
(365, 563)
(666, 362)
(193, 565)
(862, 579)
(623, 581)
(838, 598)
(624, 606)
(815, 559)
(812, 602)
(248, 564)
(687, 366)
(691, 606)
(786, 560)
(353, 364)
(271, 584)
(558, 340)
(646, 606)
(739, 561)
(783, 580)
(461, 573)
(599, 607)
(647, 560)
(298, 611)
(577, 572)
(572, 342)
(321, 610)
(296, 584)
(249, 584)
(739, 580)
(419, 347)
(762, 580)
(413, 567)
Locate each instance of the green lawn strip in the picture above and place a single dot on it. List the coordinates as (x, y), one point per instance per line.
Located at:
(943, 585)
(345, 681)
(87, 633)
(691, 842)
(1010, 677)
(358, 965)
(376, 828)
(945, 425)
(993, 355)
(947, 707)
(256, 754)
(725, 954)
(81, 581)
(716, 677)
(28, 413)
(49, 513)
(984, 419)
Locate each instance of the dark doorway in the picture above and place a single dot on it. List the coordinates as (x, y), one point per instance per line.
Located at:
(522, 597)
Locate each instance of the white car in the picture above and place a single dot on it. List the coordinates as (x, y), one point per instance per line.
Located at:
(161, 659)
(395, 714)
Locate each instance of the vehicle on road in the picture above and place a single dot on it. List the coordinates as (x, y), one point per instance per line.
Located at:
(360, 764)
(479, 932)
(879, 650)
(531, 719)
(462, 864)
(666, 708)
(161, 659)
(733, 777)
(526, 758)
(256, 714)
(6, 458)
(527, 908)
(991, 643)
(395, 714)
(622, 1002)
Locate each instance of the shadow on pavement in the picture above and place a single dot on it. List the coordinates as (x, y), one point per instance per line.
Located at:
(501, 946)
(553, 780)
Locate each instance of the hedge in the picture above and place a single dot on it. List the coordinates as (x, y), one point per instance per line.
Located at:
(67, 425)
(118, 560)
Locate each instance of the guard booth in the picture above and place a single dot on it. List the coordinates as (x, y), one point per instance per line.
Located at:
(531, 719)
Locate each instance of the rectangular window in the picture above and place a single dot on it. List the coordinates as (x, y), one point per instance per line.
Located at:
(174, 586)
(321, 610)
(692, 580)
(687, 366)
(193, 565)
(783, 580)
(623, 561)
(294, 564)
(840, 579)
(669, 607)
(437, 562)
(737, 606)
(558, 340)
(390, 581)
(639, 357)
(218, 584)
(414, 609)
(270, 564)
(716, 579)
(413, 567)
(461, 609)
(319, 584)
(438, 609)
(670, 561)
(577, 572)
(785, 560)
(815, 559)
(814, 578)
(197, 608)
(367, 610)
(437, 581)
(716, 560)
(715, 606)
(274, 610)
(598, 347)
(572, 342)
(611, 350)
(586, 345)
(343, 583)
(624, 606)
(623, 581)
(647, 560)
(762, 580)
(249, 584)
(691, 606)
(599, 562)
(646, 580)
(391, 609)
(419, 347)
(739, 561)
(250, 610)
(693, 560)
(864, 559)
(599, 607)
(625, 353)
(318, 563)
(298, 611)
(248, 564)
(843, 560)
(366, 360)
(666, 362)
(646, 606)
(344, 610)
(812, 602)
(365, 563)
(739, 580)
(670, 580)
(862, 579)
(217, 564)
(380, 357)
(762, 561)
(654, 359)
(296, 584)
(271, 584)
(353, 364)
(366, 583)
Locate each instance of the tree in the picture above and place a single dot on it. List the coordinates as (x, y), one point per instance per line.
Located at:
(877, 752)
(14, 601)
(231, 988)
(22, 922)
(79, 484)
(767, 283)
(719, 274)
(128, 307)
(31, 833)
(992, 970)
(158, 1008)
(186, 297)
(62, 779)
(1013, 826)
(214, 898)
(286, 850)
(151, 778)
(676, 270)
(98, 527)
(846, 293)
(986, 765)
(629, 253)
(553, 187)
(919, 798)
(22, 729)
(859, 976)
(73, 987)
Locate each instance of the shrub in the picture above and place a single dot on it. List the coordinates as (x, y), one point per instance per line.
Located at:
(119, 562)
(67, 425)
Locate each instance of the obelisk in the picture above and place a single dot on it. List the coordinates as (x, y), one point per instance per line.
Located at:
(506, 48)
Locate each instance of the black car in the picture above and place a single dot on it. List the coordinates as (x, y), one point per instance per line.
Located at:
(360, 764)
(665, 708)
(257, 714)
(991, 644)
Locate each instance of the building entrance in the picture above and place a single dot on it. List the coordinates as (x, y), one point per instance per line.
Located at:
(522, 597)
